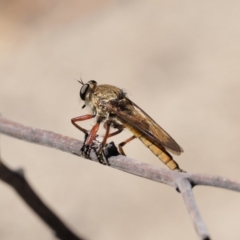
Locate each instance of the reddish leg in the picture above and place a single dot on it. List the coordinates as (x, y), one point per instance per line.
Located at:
(107, 135)
(120, 145)
(107, 125)
(92, 134)
(81, 118)
(120, 128)
(88, 141)
(88, 138)
(114, 133)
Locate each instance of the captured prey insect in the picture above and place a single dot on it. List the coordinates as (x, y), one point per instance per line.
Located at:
(111, 106)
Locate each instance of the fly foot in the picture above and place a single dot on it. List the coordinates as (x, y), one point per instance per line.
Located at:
(85, 150)
(106, 152)
(102, 159)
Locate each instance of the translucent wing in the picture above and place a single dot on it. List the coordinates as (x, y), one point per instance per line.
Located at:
(127, 111)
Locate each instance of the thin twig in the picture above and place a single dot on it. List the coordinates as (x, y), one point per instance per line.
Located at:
(120, 162)
(185, 189)
(17, 180)
(175, 179)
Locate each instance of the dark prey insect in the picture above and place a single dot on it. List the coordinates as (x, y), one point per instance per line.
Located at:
(110, 105)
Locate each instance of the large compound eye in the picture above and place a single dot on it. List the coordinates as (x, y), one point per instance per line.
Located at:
(83, 91)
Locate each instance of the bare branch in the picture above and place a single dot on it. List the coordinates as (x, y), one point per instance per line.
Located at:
(17, 180)
(182, 182)
(214, 181)
(120, 162)
(185, 188)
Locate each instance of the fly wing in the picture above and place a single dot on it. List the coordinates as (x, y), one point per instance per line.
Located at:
(130, 113)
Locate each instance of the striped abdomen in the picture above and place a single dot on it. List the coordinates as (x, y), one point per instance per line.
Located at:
(162, 154)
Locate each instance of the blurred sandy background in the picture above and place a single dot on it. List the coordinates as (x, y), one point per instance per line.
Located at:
(178, 60)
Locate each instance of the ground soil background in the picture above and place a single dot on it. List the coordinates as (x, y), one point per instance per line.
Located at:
(178, 60)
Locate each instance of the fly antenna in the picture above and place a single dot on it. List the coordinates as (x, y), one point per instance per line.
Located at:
(81, 81)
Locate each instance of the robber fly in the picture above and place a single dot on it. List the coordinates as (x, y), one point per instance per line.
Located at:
(111, 106)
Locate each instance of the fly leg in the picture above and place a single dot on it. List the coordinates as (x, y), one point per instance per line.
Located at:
(88, 137)
(101, 151)
(120, 145)
(82, 118)
(118, 126)
(89, 140)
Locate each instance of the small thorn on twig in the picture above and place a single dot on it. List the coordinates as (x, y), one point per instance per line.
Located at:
(19, 172)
